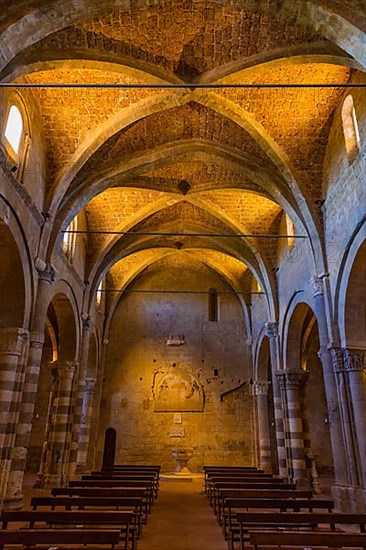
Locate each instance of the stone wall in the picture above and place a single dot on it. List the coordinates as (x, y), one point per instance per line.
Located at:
(223, 431)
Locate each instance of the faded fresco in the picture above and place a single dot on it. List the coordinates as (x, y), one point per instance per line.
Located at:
(177, 392)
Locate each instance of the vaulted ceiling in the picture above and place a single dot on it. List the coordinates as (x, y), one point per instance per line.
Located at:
(206, 160)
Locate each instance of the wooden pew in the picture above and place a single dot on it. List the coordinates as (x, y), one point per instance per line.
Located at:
(260, 490)
(221, 478)
(274, 539)
(125, 521)
(115, 484)
(238, 530)
(61, 538)
(125, 476)
(230, 505)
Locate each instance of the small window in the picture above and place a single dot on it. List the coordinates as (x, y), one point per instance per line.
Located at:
(290, 232)
(99, 293)
(69, 239)
(350, 128)
(213, 305)
(14, 130)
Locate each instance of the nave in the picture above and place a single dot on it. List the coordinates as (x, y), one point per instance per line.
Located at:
(131, 507)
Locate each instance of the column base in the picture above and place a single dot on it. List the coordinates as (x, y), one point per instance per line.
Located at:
(349, 499)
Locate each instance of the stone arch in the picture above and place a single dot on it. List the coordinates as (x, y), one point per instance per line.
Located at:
(15, 271)
(37, 24)
(64, 305)
(348, 286)
(262, 360)
(301, 360)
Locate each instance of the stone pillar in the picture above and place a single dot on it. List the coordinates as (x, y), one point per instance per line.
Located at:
(260, 389)
(271, 330)
(290, 382)
(354, 361)
(57, 449)
(47, 275)
(79, 397)
(342, 448)
(11, 348)
(86, 420)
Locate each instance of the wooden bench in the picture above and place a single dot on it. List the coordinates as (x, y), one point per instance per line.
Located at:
(125, 521)
(26, 538)
(250, 489)
(150, 478)
(219, 478)
(240, 523)
(275, 539)
(118, 484)
(275, 504)
(233, 483)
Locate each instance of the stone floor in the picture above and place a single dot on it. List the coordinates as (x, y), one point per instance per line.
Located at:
(182, 520)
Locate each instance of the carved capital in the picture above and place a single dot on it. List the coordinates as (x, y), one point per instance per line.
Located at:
(66, 370)
(11, 340)
(87, 323)
(316, 285)
(46, 272)
(354, 359)
(271, 329)
(89, 385)
(261, 387)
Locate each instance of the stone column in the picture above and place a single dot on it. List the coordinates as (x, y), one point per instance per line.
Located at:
(354, 361)
(271, 330)
(47, 275)
(260, 389)
(11, 348)
(290, 385)
(86, 420)
(79, 397)
(57, 450)
(342, 451)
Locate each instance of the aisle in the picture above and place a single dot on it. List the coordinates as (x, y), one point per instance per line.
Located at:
(181, 519)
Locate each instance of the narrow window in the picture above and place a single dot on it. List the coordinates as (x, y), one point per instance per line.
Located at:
(14, 130)
(213, 305)
(69, 239)
(350, 129)
(290, 232)
(99, 293)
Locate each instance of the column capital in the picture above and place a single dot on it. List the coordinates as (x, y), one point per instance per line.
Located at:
(11, 339)
(88, 323)
(316, 284)
(46, 272)
(348, 359)
(89, 385)
(261, 387)
(271, 329)
(65, 369)
(291, 379)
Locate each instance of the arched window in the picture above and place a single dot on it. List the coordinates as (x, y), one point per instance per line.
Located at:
(213, 305)
(69, 239)
(14, 130)
(350, 128)
(290, 232)
(99, 293)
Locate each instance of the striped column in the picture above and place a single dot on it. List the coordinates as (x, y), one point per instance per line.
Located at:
(47, 275)
(85, 422)
(11, 349)
(261, 392)
(294, 436)
(57, 450)
(79, 397)
(271, 330)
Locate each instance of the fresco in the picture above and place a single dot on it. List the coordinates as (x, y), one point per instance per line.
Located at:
(177, 392)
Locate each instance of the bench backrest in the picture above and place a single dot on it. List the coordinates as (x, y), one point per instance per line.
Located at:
(267, 518)
(71, 517)
(109, 483)
(308, 538)
(60, 536)
(82, 502)
(280, 504)
(99, 491)
(264, 493)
